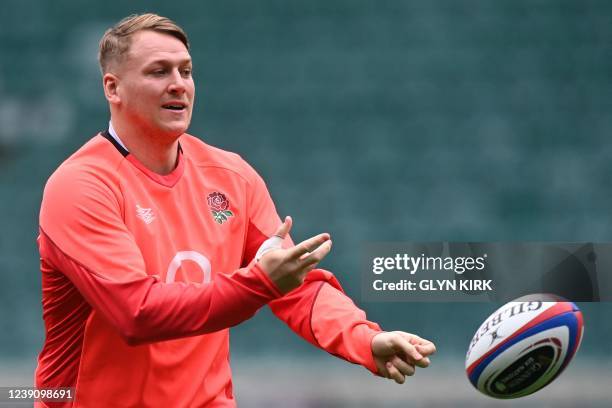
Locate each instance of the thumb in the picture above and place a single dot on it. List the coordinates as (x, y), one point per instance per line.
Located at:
(284, 228)
(276, 240)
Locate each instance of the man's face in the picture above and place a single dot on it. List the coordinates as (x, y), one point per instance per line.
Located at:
(154, 85)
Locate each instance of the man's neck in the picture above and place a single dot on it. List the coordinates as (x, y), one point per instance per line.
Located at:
(157, 154)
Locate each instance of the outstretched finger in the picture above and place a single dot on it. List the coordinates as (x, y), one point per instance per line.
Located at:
(308, 245)
(284, 228)
(309, 260)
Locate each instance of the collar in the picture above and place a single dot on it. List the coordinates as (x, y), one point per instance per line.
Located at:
(114, 135)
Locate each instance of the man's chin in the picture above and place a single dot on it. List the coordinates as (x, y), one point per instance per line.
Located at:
(171, 131)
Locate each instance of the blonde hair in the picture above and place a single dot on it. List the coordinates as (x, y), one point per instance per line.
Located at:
(116, 41)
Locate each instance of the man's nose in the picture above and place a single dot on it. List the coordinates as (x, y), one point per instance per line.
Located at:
(177, 83)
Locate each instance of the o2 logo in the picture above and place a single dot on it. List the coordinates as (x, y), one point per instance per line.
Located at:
(196, 257)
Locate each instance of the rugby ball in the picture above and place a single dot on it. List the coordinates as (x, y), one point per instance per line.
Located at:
(524, 345)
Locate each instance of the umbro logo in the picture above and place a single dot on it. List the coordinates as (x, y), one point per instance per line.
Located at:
(145, 214)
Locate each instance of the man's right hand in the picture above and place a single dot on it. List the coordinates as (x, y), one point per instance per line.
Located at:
(287, 268)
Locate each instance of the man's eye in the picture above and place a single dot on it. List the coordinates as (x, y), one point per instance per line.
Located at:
(159, 72)
(187, 72)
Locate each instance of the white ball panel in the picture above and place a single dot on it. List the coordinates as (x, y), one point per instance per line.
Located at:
(520, 349)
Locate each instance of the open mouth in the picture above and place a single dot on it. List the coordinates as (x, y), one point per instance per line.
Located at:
(177, 107)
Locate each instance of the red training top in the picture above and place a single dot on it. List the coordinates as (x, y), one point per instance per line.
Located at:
(141, 278)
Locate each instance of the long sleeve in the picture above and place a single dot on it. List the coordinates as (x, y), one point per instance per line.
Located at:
(319, 310)
(323, 315)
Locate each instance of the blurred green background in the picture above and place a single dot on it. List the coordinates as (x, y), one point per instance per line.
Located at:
(375, 121)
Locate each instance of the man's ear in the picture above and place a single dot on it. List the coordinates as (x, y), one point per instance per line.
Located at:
(110, 82)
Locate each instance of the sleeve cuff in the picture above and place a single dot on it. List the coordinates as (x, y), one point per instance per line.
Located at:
(372, 329)
(265, 279)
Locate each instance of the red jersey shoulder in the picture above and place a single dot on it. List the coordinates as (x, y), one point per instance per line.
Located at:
(205, 155)
(92, 168)
(98, 157)
(97, 151)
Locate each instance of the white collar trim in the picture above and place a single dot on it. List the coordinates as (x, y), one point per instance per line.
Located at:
(113, 133)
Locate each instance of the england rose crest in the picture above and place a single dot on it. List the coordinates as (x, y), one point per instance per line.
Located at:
(219, 207)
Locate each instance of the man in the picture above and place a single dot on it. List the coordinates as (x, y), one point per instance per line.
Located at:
(154, 243)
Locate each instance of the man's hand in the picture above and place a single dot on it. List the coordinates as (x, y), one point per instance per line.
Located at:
(288, 267)
(397, 353)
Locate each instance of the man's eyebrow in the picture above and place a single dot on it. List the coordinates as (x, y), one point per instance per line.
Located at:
(164, 61)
